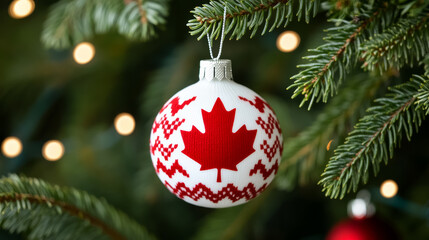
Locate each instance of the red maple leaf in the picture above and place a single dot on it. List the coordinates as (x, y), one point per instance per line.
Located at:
(218, 147)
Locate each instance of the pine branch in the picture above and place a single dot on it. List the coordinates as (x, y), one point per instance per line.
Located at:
(45, 211)
(329, 63)
(373, 139)
(425, 63)
(73, 21)
(342, 9)
(422, 97)
(402, 44)
(308, 150)
(248, 15)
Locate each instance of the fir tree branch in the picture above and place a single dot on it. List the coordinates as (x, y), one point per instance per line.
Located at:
(373, 139)
(47, 211)
(72, 21)
(308, 150)
(342, 9)
(318, 80)
(247, 15)
(391, 49)
(425, 63)
(70, 209)
(422, 97)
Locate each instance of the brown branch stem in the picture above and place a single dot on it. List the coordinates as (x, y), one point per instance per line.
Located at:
(71, 209)
(142, 12)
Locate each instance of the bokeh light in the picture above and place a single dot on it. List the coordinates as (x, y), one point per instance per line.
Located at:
(389, 189)
(84, 52)
(53, 150)
(124, 124)
(288, 41)
(358, 208)
(21, 8)
(11, 147)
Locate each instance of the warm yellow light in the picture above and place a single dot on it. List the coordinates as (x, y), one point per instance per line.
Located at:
(21, 8)
(288, 41)
(11, 147)
(124, 124)
(84, 52)
(389, 189)
(53, 150)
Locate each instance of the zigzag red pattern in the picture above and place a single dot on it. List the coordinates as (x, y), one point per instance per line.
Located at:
(176, 167)
(170, 128)
(175, 106)
(263, 170)
(258, 103)
(165, 151)
(156, 124)
(230, 191)
(271, 151)
(269, 126)
(167, 126)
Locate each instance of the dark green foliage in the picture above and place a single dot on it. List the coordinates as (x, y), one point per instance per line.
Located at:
(425, 63)
(73, 21)
(227, 223)
(221, 224)
(374, 138)
(329, 64)
(243, 16)
(43, 211)
(422, 97)
(307, 152)
(391, 49)
(342, 9)
(337, 56)
(384, 36)
(381, 33)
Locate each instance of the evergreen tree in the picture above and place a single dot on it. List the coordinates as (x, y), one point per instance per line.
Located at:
(368, 82)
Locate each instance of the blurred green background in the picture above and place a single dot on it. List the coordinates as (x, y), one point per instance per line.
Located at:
(45, 95)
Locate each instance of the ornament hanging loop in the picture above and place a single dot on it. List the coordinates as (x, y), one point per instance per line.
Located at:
(221, 38)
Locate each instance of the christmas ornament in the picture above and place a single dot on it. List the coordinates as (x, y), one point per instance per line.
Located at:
(371, 228)
(216, 143)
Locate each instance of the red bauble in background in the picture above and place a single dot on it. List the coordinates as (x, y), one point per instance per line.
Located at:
(371, 228)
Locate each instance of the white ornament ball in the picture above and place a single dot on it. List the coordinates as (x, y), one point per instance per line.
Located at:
(216, 143)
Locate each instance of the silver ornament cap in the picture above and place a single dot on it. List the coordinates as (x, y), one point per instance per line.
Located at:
(215, 70)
